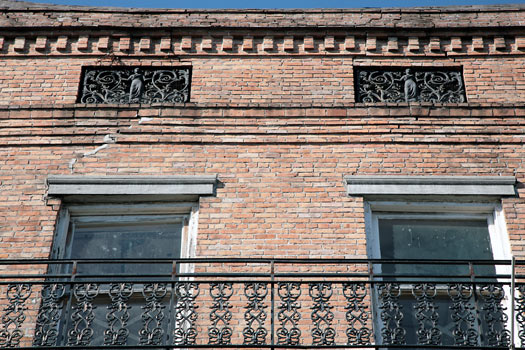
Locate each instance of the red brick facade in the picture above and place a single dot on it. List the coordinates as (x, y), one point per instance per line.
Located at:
(272, 112)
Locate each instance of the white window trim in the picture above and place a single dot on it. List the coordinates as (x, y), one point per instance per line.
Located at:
(187, 212)
(492, 211)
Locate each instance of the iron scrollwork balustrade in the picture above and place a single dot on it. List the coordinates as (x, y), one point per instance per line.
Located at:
(520, 312)
(288, 333)
(49, 315)
(322, 316)
(13, 317)
(409, 85)
(494, 315)
(427, 315)
(153, 316)
(391, 314)
(83, 315)
(220, 331)
(255, 313)
(244, 312)
(463, 314)
(118, 316)
(185, 332)
(358, 332)
(135, 85)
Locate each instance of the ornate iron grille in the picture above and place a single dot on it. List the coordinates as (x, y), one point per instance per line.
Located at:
(258, 303)
(374, 84)
(135, 85)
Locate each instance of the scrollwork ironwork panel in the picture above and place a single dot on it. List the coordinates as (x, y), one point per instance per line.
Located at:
(463, 314)
(391, 315)
(288, 333)
(494, 315)
(220, 331)
(49, 315)
(14, 316)
(357, 315)
(255, 313)
(427, 315)
(82, 317)
(135, 85)
(185, 332)
(322, 316)
(418, 84)
(152, 330)
(520, 312)
(118, 315)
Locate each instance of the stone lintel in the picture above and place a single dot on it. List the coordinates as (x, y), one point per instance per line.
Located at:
(430, 185)
(132, 185)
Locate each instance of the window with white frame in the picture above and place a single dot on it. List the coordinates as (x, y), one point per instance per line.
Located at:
(462, 232)
(127, 297)
(441, 231)
(117, 240)
(445, 233)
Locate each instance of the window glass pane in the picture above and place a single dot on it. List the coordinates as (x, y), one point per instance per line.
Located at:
(434, 239)
(125, 240)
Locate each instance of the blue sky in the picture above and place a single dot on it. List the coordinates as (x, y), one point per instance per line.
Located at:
(274, 3)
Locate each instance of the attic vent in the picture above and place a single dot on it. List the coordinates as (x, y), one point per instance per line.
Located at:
(135, 85)
(409, 84)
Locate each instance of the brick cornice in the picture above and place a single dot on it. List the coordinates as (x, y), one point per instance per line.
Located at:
(223, 43)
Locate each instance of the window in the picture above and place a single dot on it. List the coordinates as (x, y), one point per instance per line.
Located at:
(120, 308)
(460, 301)
(427, 293)
(103, 293)
(441, 231)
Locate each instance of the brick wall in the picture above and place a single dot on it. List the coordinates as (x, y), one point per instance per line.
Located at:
(281, 170)
(278, 122)
(272, 112)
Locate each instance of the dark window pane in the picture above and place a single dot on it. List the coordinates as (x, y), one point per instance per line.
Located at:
(434, 239)
(125, 240)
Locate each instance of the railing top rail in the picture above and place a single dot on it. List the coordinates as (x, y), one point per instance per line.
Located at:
(266, 261)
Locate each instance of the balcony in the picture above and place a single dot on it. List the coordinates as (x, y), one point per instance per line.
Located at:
(262, 303)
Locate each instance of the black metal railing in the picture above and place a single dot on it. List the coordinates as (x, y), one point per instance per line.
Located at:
(262, 303)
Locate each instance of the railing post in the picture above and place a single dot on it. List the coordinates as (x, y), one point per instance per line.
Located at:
(372, 296)
(68, 305)
(171, 314)
(272, 300)
(512, 302)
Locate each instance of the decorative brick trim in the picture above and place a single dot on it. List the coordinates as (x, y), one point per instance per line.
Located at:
(41, 43)
(165, 43)
(371, 43)
(227, 43)
(103, 43)
(83, 42)
(145, 44)
(268, 43)
(19, 44)
(271, 44)
(125, 44)
(393, 44)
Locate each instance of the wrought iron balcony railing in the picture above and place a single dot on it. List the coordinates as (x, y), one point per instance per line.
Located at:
(262, 303)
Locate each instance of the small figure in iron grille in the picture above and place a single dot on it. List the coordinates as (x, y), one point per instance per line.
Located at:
(137, 86)
(410, 86)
